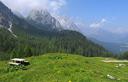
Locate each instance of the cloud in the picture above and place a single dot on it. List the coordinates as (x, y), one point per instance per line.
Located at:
(57, 4)
(25, 6)
(119, 30)
(98, 24)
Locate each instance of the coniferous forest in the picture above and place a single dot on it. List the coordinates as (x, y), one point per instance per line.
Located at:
(64, 42)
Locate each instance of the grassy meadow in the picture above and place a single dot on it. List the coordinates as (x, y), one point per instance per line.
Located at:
(56, 67)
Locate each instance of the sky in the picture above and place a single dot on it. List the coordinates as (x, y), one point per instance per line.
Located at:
(111, 15)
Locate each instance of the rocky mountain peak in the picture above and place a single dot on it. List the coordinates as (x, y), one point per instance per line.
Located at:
(43, 17)
(67, 23)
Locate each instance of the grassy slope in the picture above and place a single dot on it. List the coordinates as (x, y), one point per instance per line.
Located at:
(63, 68)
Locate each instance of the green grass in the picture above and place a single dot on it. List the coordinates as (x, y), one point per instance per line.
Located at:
(64, 68)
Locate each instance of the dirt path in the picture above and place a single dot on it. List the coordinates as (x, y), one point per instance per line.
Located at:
(116, 61)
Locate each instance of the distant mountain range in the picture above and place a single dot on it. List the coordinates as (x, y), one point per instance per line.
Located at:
(116, 43)
(116, 48)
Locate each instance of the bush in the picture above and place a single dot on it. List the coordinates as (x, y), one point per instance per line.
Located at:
(124, 55)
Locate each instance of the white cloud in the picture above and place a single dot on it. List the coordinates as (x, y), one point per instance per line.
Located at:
(25, 6)
(98, 24)
(57, 4)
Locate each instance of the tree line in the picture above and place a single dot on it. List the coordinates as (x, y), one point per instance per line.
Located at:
(26, 45)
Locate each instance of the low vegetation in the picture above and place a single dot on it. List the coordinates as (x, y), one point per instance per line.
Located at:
(55, 67)
(123, 55)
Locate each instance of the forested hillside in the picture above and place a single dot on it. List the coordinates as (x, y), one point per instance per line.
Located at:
(65, 41)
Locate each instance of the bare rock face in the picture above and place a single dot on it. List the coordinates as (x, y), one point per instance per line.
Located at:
(43, 17)
(67, 23)
(5, 15)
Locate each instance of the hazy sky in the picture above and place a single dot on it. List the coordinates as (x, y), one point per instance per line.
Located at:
(106, 14)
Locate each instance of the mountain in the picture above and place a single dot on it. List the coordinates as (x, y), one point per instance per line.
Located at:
(41, 33)
(6, 16)
(101, 34)
(114, 47)
(67, 23)
(42, 18)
